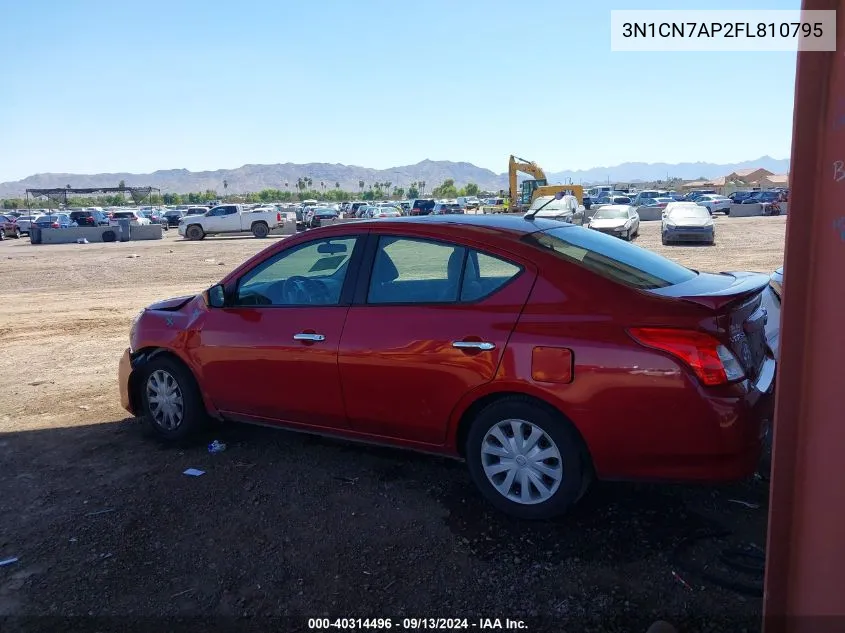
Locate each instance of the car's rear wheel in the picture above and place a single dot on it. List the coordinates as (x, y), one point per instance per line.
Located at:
(260, 230)
(527, 461)
(194, 232)
(171, 400)
(17, 232)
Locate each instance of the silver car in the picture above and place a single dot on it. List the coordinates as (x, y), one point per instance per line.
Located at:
(621, 220)
(687, 222)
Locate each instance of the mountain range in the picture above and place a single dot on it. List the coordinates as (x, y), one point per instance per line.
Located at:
(257, 177)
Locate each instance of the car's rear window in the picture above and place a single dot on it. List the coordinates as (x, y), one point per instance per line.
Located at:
(124, 215)
(611, 257)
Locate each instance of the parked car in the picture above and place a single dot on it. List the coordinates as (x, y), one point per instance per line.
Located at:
(422, 206)
(446, 208)
(89, 217)
(173, 216)
(772, 299)
(687, 222)
(386, 211)
(54, 221)
(197, 210)
(620, 220)
(644, 197)
(23, 222)
(230, 218)
(155, 216)
(656, 203)
(693, 196)
(135, 218)
(614, 199)
(549, 207)
(762, 197)
(468, 202)
(317, 215)
(715, 203)
(738, 196)
(543, 353)
(9, 226)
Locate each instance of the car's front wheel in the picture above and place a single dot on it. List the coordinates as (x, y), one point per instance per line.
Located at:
(194, 232)
(171, 400)
(527, 461)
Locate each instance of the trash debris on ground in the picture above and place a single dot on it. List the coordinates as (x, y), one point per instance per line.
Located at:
(347, 480)
(209, 261)
(98, 512)
(682, 581)
(8, 561)
(216, 447)
(84, 407)
(194, 472)
(181, 593)
(133, 256)
(747, 504)
(82, 240)
(221, 263)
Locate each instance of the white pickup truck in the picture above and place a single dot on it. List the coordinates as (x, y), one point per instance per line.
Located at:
(230, 218)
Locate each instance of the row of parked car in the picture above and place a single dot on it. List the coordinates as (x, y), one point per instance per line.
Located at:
(19, 222)
(714, 202)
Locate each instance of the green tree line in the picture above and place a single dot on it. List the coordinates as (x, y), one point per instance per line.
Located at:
(305, 190)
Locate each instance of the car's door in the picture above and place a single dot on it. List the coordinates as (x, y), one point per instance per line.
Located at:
(429, 324)
(213, 221)
(271, 354)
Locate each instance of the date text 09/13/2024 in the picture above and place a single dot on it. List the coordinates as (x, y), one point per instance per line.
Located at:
(417, 624)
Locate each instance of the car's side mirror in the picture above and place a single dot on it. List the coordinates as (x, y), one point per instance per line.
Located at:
(216, 296)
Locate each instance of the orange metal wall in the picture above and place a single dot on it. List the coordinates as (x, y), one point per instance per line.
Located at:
(805, 571)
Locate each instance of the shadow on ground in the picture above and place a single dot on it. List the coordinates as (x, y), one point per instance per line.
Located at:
(104, 523)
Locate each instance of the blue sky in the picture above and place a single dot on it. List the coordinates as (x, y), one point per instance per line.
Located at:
(104, 86)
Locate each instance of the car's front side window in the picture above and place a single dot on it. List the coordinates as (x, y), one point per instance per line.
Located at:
(308, 274)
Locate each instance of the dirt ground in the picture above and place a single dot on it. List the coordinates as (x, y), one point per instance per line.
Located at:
(283, 527)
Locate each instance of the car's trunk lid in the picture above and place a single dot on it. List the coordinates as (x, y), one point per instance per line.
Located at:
(737, 300)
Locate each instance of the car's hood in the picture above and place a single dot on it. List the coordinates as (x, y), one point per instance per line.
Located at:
(697, 222)
(171, 304)
(607, 223)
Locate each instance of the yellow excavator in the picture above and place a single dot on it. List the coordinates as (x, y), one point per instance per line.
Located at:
(530, 190)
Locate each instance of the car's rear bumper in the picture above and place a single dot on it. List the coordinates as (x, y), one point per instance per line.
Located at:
(124, 375)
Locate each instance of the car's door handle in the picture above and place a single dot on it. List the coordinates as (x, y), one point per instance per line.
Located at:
(305, 336)
(482, 345)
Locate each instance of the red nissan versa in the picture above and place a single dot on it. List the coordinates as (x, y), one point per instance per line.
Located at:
(543, 353)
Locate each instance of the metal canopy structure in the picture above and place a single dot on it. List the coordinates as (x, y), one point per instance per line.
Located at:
(60, 194)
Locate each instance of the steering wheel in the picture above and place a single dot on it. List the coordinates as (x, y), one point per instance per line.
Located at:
(298, 290)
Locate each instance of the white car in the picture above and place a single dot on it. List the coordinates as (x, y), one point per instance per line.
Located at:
(231, 218)
(135, 218)
(620, 220)
(715, 203)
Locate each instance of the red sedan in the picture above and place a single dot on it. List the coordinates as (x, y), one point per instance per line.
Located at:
(543, 353)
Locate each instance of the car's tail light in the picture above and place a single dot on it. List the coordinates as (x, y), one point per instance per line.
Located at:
(55, 225)
(712, 362)
(278, 217)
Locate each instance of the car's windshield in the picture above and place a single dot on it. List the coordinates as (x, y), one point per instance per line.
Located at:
(611, 214)
(611, 257)
(690, 212)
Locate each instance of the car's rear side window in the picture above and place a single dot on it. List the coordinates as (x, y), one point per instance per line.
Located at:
(611, 257)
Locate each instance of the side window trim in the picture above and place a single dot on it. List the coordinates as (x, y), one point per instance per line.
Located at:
(353, 273)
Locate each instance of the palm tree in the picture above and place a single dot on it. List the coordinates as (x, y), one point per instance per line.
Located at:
(360, 185)
(225, 185)
(387, 187)
(323, 186)
(337, 185)
(310, 182)
(422, 186)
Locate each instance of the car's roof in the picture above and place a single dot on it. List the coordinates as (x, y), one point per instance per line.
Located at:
(505, 223)
(615, 207)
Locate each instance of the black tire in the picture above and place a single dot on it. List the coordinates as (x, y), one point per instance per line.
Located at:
(663, 240)
(574, 463)
(194, 232)
(109, 236)
(194, 415)
(727, 211)
(260, 230)
(17, 235)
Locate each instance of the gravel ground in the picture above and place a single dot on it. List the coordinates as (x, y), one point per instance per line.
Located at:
(283, 527)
